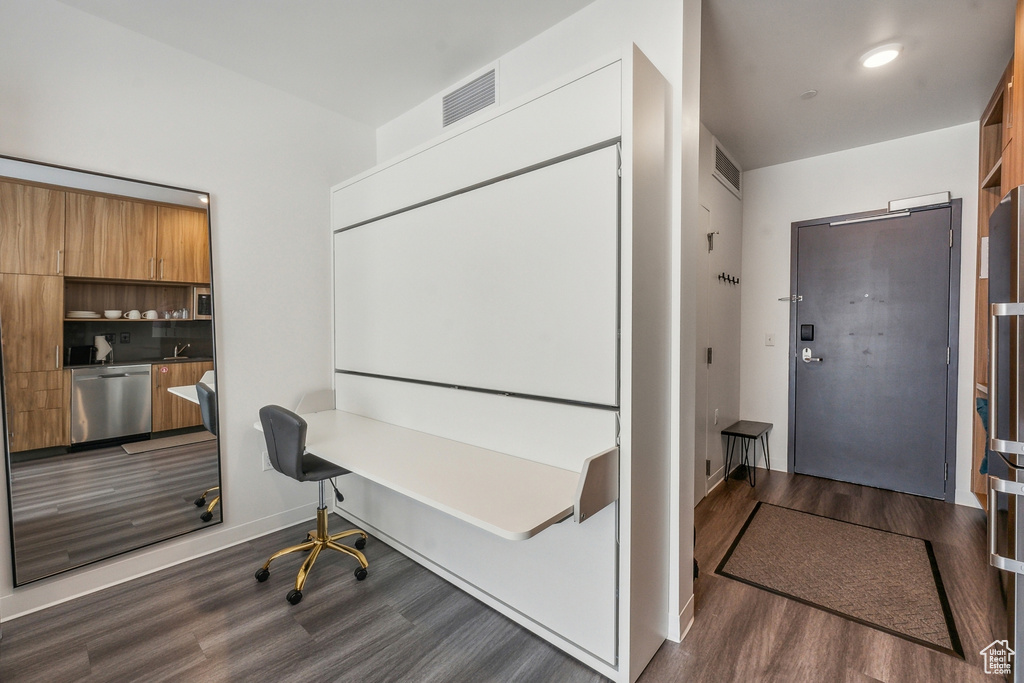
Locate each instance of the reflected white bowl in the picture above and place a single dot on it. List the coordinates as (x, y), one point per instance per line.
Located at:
(112, 314)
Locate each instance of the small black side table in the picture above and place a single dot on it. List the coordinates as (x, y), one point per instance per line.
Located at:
(746, 431)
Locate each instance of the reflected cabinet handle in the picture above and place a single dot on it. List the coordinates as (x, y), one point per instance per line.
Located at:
(57, 357)
(58, 261)
(152, 271)
(161, 269)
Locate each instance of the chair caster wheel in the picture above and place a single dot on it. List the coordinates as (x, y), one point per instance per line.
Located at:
(360, 574)
(262, 574)
(294, 597)
(360, 543)
(206, 516)
(200, 502)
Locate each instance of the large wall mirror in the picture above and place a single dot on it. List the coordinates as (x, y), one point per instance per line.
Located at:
(106, 326)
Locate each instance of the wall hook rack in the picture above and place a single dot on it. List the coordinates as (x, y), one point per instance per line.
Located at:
(731, 279)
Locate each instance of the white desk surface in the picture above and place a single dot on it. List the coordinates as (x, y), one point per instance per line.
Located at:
(188, 391)
(512, 497)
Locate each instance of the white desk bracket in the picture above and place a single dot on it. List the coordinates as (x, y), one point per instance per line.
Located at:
(316, 401)
(599, 484)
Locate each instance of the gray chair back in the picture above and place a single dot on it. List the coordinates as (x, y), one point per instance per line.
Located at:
(207, 406)
(285, 433)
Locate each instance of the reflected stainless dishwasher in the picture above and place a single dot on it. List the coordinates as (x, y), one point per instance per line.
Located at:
(109, 402)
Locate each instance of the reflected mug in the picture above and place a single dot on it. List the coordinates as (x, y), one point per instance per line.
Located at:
(150, 315)
(133, 314)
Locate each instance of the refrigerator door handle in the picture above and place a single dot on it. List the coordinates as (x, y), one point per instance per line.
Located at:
(1012, 489)
(1011, 310)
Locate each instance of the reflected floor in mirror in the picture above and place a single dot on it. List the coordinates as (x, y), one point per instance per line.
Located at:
(72, 509)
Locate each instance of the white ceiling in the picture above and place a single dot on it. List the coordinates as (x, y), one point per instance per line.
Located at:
(758, 56)
(374, 59)
(367, 59)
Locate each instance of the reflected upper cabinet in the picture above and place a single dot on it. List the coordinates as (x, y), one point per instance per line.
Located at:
(108, 237)
(31, 229)
(130, 240)
(183, 250)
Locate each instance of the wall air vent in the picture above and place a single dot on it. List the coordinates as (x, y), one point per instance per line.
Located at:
(479, 93)
(726, 170)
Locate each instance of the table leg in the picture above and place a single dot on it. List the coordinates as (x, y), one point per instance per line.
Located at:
(746, 460)
(729, 443)
(764, 447)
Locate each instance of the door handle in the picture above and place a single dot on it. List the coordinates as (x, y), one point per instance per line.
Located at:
(808, 358)
(1005, 310)
(1012, 489)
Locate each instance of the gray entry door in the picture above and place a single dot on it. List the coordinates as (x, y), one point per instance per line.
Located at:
(876, 312)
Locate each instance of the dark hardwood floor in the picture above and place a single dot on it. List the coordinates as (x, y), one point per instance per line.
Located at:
(742, 633)
(72, 509)
(209, 620)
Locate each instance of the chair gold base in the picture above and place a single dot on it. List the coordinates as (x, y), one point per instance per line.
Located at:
(319, 539)
(201, 501)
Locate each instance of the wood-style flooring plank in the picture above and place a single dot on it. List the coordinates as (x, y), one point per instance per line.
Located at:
(72, 509)
(209, 620)
(742, 633)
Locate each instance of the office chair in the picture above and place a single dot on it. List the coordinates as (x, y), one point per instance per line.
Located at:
(285, 433)
(208, 409)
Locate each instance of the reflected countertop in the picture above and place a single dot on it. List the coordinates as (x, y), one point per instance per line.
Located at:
(143, 361)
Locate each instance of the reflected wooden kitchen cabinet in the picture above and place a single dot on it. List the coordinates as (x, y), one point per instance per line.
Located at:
(31, 229)
(128, 240)
(37, 409)
(182, 246)
(106, 237)
(31, 311)
(170, 411)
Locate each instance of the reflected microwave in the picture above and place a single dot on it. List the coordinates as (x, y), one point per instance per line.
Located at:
(202, 303)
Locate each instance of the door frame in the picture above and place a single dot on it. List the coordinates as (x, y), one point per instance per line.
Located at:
(952, 332)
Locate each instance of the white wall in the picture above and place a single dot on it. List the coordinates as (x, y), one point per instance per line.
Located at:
(845, 182)
(718, 321)
(600, 29)
(81, 92)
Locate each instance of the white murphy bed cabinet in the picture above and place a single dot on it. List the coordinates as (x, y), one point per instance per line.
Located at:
(507, 286)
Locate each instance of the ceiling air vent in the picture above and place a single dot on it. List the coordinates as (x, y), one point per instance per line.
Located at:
(469, 98)
(726, 170)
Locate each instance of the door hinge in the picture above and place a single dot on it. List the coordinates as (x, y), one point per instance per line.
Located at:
(950, 239)
(709, 355)
(707, 468)
(947, 355)
(945, 471)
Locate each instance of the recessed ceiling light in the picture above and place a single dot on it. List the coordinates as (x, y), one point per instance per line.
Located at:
(881, 55)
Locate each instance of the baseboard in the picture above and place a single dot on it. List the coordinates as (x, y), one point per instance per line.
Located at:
(679, 625)
(117, 570)
(967, 499)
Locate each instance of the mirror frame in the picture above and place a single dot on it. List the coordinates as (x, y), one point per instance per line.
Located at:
(18, 169)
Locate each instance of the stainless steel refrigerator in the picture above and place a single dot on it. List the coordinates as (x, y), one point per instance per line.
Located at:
(1006, 414)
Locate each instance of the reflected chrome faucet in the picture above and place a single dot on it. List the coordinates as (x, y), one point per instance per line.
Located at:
(177, 350)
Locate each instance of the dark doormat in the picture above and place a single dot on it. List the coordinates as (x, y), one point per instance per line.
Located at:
(877, 578)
